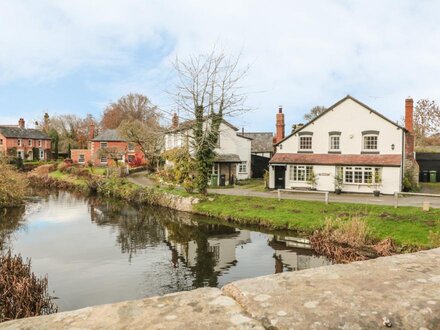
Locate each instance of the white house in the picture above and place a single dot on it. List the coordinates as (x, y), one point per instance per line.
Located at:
(350, 141)
(233, 152)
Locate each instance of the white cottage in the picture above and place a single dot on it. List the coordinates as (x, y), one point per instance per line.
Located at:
(233, 152)
(350, 144)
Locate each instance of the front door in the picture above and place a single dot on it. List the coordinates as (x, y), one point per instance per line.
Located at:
(280, 177)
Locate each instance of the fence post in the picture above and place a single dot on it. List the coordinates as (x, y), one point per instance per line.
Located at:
(396, 200)
(279, 194)
(326, 197)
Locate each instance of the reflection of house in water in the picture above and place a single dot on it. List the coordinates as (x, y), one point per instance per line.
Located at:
(220, 244)
(295, 253)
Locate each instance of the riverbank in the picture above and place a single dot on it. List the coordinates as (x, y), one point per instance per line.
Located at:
(410, 228)
(401, 291)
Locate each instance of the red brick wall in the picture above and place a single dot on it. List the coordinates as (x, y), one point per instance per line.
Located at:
(9, 143)
(92, 154)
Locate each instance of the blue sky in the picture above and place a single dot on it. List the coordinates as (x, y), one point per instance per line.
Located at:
(77, 56)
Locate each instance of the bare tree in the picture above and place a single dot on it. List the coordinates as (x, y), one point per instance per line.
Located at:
(129, 107)
(208, 90)
(147, 135)
(426, 120)
(314, 112)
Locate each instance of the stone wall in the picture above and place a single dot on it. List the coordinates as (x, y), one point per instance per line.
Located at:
(401, 291)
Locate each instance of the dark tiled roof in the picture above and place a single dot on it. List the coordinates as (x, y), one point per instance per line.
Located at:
(261, 142)
(109, 135)
(332, 159)
(227, 158)
(23, 133)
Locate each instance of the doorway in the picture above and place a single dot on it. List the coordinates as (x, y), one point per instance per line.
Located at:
(280, 177)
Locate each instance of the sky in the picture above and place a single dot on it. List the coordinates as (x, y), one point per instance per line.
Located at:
(77, 56)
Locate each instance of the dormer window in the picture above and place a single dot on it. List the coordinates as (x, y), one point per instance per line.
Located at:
(305, 141)
(334, 141)
(370, 141)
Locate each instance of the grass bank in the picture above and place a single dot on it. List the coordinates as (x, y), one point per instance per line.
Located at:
(407, 226)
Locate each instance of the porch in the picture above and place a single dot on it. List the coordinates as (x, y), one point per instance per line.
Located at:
(224, 170)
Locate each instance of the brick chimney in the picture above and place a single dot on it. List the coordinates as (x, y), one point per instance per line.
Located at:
(280, 125)
(91, 131)
(409, 136)
(175, 121)
(21, 123)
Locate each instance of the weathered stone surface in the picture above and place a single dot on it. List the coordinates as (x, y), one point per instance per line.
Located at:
(205, 308)
(403, 289)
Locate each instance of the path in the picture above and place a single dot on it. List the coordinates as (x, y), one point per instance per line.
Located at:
(417, 201)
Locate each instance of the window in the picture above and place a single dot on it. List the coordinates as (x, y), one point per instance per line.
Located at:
(370, 142)
(41, 154)
(1, 142)
(242, 168)
(131, 147)
(334, 142)
(300, 172)
(305, 142)
(30, 143)
(19, 142)
(360, 175)
(103, 145)
(81, 159)
(103, 160)
(39, 143)
(131, 158)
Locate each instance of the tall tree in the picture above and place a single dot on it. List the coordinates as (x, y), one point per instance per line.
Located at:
(208, 89)
(314, 112)
(426, 120)
(129, 107)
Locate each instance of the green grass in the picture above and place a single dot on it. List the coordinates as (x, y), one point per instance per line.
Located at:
(407, 226)
(252, 184)
(67, 177)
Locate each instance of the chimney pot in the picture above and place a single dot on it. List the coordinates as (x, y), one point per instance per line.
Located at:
(91, 131)
(280, 125)
(175, 121)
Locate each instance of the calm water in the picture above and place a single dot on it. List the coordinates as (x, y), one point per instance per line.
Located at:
(98, 251)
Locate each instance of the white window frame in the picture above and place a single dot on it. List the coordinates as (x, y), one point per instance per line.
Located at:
(103, 160)
(103, 145)
(81, 159)
(331, 146)
(19, 142)
(301, 147)
(39, 143)
(242, 168)
(360, 175)
(1, 142)
(364, 145)
(30, 143)
(131, 147)
(300, 173)
(41, 154)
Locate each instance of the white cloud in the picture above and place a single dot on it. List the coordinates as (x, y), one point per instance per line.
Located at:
(301, 53)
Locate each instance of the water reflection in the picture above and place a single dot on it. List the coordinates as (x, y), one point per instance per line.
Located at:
(99, 250)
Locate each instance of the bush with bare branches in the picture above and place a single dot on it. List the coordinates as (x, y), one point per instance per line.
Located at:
(22, 293)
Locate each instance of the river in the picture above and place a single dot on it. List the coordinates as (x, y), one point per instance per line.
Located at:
(98, 251)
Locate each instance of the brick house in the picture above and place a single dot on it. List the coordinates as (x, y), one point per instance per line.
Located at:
(26, 143)
(107, 146)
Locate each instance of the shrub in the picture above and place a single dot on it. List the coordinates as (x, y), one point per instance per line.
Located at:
(22, 293)
(12, 186)
(63, 166)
